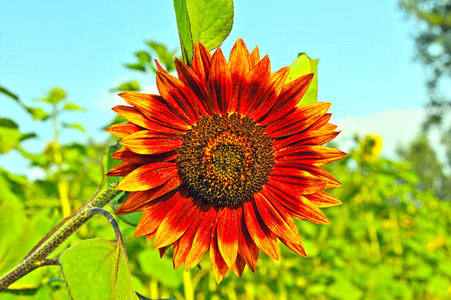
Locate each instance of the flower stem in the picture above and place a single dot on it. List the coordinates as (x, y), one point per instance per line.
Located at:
(37, 257)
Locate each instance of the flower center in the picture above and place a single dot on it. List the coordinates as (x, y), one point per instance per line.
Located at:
(225, 159)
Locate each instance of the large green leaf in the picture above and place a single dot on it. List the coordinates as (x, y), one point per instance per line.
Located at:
(304, 65)
(10, 136)
(18, 235)
(97, 269)
(205, 21)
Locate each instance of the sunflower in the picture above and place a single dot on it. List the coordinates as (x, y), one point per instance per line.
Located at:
(224, 159)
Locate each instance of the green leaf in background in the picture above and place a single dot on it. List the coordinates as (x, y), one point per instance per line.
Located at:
(72, 106)
(56, 95)
(161, 268)
(138, 67)
(304, 65)
(8, 123)
(132, 86)
(97, 269)
(37, 113)
(10, 136)
(143, 56)
(74, 126)
(18, 235)
(205, 21)
(8, 93)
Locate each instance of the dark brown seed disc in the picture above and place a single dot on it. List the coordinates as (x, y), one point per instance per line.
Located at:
(225, 159)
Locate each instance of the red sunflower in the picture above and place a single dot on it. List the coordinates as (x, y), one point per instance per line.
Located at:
(224, 159)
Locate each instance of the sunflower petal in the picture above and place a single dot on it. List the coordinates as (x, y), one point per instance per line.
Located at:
(300, 119)
(149, 142)
(219, 82)
(323, 199)
(276, 218)
(139, 201)
(154, 107)
(123, 130)
(260, 233)
(227, 235)
(309, 155)
(218, 264)
(126, 155)
(298, 206)
(289, 97)
(175, 225)
(256, 87)
(148, 177)
(201, 241)
(238, 266)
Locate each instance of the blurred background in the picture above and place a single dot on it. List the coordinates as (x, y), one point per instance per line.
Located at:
(384, 65)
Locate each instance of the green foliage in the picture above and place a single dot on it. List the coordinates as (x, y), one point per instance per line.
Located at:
(304, 65)
(205, 21)
(433, 41)
(103, 267)
(426, 165)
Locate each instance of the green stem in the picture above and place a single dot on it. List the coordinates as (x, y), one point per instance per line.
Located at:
(37, 257)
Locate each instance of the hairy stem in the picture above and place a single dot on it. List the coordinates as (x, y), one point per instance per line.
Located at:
(37, 257)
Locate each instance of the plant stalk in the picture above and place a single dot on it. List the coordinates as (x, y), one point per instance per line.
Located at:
(37, 257)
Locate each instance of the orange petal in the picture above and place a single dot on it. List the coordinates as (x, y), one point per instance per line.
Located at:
(123, 130)
(239, 66)
(154, 215)
(126, 155)
(289, 97)
(218, 264)
(148, 177)
(297, 248)
(298, 120)
(201, 241)
(268, 100)
(183, 245)
(276, 218)
(260, 233)
(133, 115)
(177, 97)
(310, 137)
(176, 224)
(254, 56)
(123, 169)
(297, 179)
(201, 62)
(256, 86)
(156, 108)
(323, 199)
(246, 245)
(298, 206)
(219, 82)
(238, 266)
(138, 201)
(149, 142)
(187, 75)
(309, 155)
(227, 235)
(306, 173)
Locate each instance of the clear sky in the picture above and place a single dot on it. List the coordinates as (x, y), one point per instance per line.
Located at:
(365, 48)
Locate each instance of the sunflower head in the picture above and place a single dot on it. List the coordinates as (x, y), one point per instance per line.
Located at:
(224, 159)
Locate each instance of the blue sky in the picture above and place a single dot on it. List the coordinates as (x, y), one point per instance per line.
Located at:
(365, 49)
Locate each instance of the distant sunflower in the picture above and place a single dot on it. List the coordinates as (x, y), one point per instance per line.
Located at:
(223, 160)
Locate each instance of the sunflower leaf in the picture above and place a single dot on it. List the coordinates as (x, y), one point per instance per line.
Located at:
(9, 94)
(205, 21)
(97, 269)
(304, 65)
